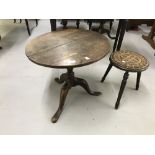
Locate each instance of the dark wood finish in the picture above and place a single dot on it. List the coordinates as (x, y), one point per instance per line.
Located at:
(107, 71)
(20, 20)
(27, 26)
(36, 22)
(127, 61)
(149, 38)
(117, 35)
(68, 48)
(90, 23)
(77, 23)
(53, 24)
(120, 34)
(64, 22)
(138, 80)
(123, 84)
(101, 28)
(70, 81)
(133, 23)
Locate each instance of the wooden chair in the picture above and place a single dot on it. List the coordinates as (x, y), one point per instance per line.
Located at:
(27, 24)
(150, 37)
(53, 24)
(63, 22)
(101, 27)
(125, 60)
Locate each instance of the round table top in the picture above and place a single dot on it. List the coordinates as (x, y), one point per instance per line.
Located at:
(67, 48)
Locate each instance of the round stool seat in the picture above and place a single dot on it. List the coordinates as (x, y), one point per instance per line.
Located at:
(129, 61)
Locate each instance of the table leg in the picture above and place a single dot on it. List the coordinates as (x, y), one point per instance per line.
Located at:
(63, 94)
(70, 81)
(83, 83)
(62, 78)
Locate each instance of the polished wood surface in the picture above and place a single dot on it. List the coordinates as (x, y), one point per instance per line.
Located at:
(70, 81)
(127, 61)
(67, 48)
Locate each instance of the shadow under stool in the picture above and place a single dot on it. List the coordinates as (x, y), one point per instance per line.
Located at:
(127, 61)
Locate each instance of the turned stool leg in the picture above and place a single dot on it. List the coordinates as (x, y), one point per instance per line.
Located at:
(107, 71)
(138, 80)
(123, 84)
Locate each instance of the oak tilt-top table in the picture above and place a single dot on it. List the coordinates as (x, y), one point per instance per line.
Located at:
(68, 49)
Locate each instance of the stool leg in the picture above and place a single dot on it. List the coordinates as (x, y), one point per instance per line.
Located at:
(138, 80)
(106, 73)
(123, 84)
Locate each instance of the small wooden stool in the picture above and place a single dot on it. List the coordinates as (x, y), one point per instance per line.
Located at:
(127, 61)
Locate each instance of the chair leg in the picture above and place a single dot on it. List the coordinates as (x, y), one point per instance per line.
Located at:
(110, 24)
(138, 80)
(27, 26)
(53, 24)
(64, 23)
(123, 84)
(107, 71)
(77, 23)
(122, 33)
(36, 22)
(90, 24)
(117, 35)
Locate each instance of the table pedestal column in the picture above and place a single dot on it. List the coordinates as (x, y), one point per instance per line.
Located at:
(70, 81)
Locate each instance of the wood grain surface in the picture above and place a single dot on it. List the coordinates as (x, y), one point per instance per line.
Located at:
(67, 48)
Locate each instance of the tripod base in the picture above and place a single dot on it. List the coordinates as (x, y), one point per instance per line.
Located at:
(70, 81)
